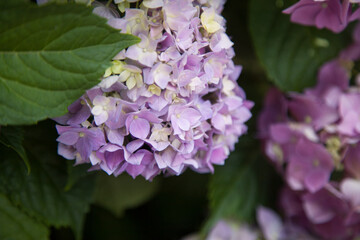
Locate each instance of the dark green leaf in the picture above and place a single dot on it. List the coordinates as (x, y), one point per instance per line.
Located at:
(42, 194)
(16, 225)
(49, 56)
(117, 194)
(75, 173)
(236, 189)
(12, 137)
(291, 54)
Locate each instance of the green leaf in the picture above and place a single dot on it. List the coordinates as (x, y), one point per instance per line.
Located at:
(236, 189)
(16, 225)
(12, 137)
(117, 194)
(49, 56)
(75, 173)
(290, 53)
(42, 194)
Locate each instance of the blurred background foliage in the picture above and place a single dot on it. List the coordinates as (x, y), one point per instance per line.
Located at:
(54, 199)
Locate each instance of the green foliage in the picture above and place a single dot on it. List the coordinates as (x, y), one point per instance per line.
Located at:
(16, 225)
(236, 189)
(12, 137)
(49, 56)
(42, 194)
(291, 54)
(123, 192)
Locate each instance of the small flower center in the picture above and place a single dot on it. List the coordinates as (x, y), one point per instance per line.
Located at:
(308, 119)
(316, 163)
(81, 134)
(136, 117)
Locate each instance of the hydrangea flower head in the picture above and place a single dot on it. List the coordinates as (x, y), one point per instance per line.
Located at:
(168, 103)
(313, 139)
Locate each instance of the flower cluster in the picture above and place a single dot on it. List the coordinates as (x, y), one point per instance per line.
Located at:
(313, 139)
(167, 103)
(271, 227)
(331, 14)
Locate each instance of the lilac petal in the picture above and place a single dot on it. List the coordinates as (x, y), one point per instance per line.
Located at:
(66, 151)
(80, 116)
(113, 159)
(101, 118)
(116, 118)
(105, 12)
(177, 164)
(162, 81)
(295, 173)
(218, 122)
(316, 179)
(135, 170)
(134, 145)
(270, 224)
(205, 109)
(349, 121)
(158, 146)
(222, 230)
(93, 93)
(97, 138)
(183, 124)
(160, 161)
(148, 157)
(192, 115)
(158, 103)
(304, 12)
(243, 114)
(84, 147)
(330, 19)
(349, 103)
(332, 74)
(318, 213)
(95, 158)
(150, 116)
(351, 189)
(320, 115)
(115, 137)
(121, 169)
(61, 129)
(220, 41)
(352, 161)
(193, 163)
(233, 103)
(68, 138)
(136, 158)
(218, 156)
(139, 128)
(165, 159)
(281, 133)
